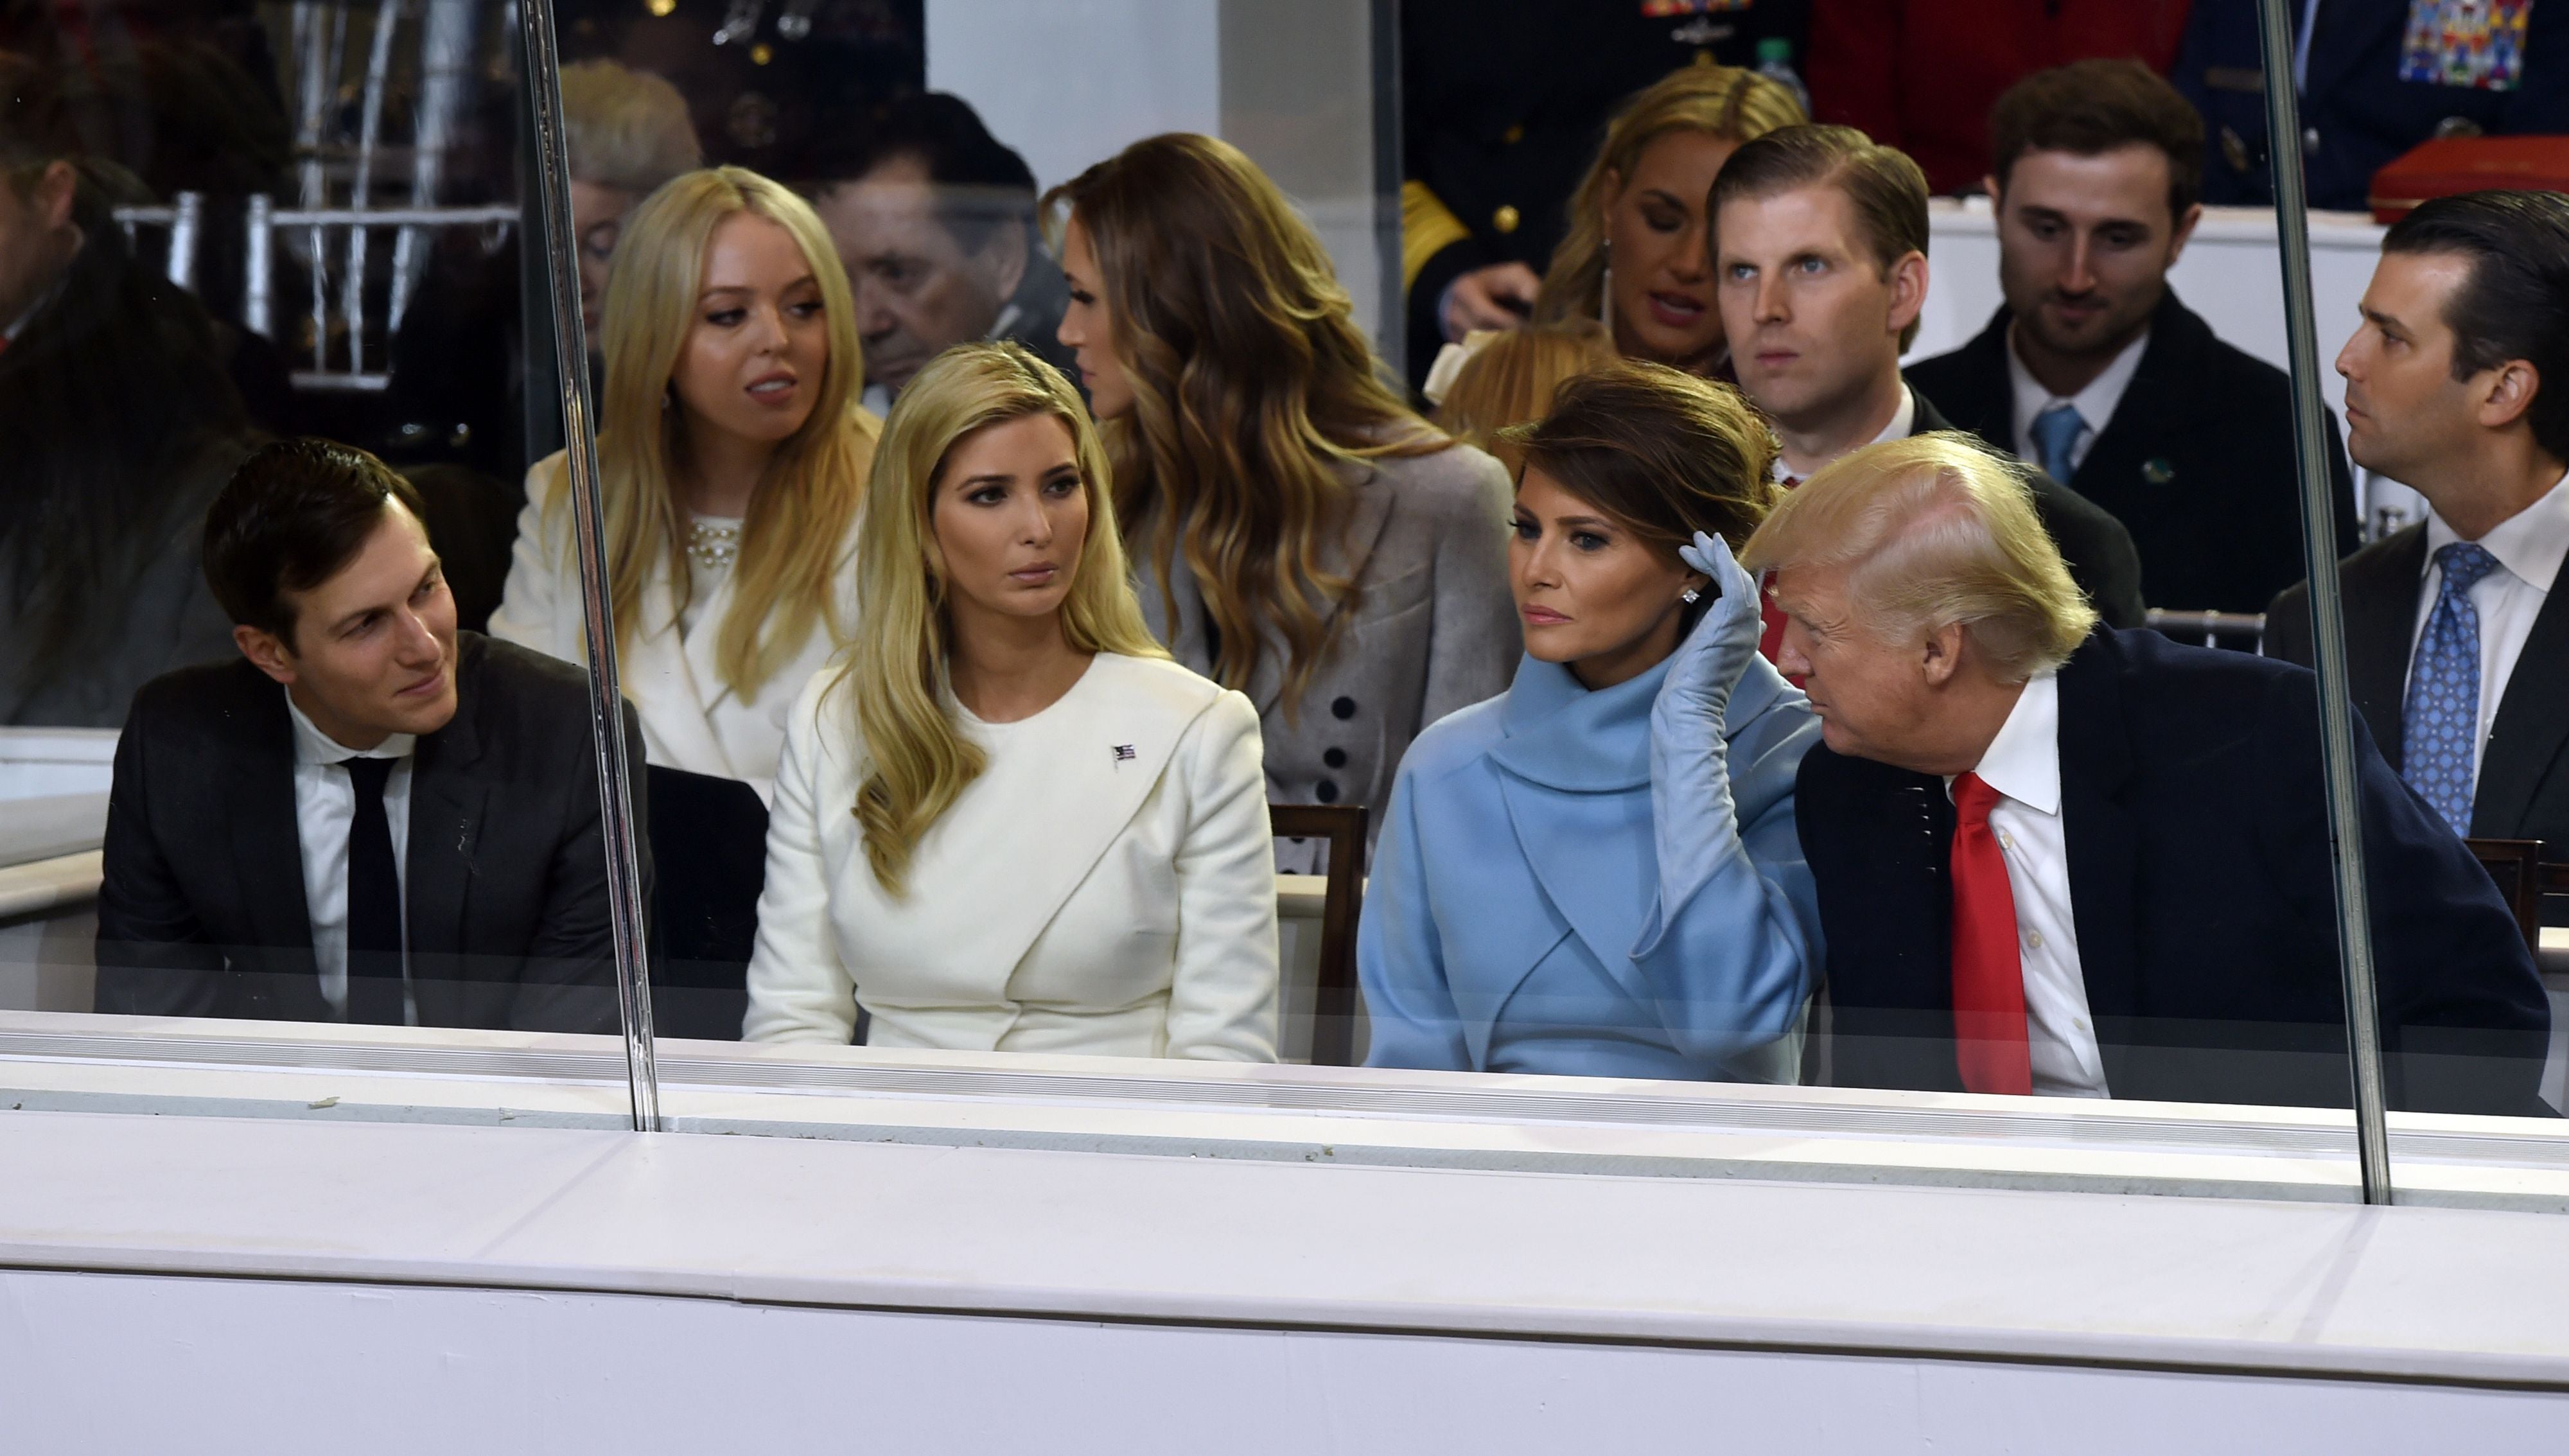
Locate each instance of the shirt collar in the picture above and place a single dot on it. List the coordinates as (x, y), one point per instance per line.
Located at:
(2096, 404)
(1903, 421)
(312, 746)
(2531, 544)
(2024, 761)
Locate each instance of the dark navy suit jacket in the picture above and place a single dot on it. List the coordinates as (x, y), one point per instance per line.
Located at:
(2203, 894)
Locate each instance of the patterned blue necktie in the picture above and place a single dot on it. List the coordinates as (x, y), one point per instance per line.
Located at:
(2056, 433)
(2439, 726)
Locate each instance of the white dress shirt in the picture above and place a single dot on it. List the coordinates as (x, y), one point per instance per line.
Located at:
(2096, 404)
(2024, 764)
(325, 803)
(1903, 420)
(2529, 546)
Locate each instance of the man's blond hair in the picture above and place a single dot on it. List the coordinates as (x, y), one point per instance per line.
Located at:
(1935, 532)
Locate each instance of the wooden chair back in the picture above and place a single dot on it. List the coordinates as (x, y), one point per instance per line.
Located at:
(2517, 865)
(1333, 1006)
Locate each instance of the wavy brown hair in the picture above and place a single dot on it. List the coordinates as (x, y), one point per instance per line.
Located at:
(1255, 398)
(1717, 101)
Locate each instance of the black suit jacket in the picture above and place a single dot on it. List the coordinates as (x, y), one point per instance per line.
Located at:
(2203, 893)
(2095, 546)
(2523, 790)
(201, 913)
(2197, 461)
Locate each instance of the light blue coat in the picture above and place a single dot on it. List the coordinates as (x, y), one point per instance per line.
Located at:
(1514, 922)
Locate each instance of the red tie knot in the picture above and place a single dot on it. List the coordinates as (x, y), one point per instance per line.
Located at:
(1972, 800)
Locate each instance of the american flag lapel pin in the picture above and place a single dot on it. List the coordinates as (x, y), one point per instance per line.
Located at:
(1123, 752)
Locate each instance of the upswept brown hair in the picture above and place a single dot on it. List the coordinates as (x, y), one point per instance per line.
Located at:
(1938, 531)
(1884, 186)
(1660, 450)
(1512, 377)
(1717, 101)
(918, 762)
(784, 581)
(2088, 108)
(1255, 398)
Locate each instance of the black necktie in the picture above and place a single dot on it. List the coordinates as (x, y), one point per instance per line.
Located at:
(374, 901)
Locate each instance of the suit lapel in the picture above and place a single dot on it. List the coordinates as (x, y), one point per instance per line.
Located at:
(2531, 726)
(1594, 856)
(2111, 473)
(2380, 599)
(267, 848)
(2102, 839)
(447, 811)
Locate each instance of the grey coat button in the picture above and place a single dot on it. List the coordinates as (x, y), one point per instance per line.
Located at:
(1343, 708)
(1335, 758)
(1326, 790)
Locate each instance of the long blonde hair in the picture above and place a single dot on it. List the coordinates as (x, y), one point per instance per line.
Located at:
(919, 762)
(1719, 101)
(784, 582)
(1255, 394)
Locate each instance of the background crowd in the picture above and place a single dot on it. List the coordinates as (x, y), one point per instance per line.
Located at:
(1727, 699)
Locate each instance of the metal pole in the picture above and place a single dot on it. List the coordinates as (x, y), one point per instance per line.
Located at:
(2328, 614)
(588, 527)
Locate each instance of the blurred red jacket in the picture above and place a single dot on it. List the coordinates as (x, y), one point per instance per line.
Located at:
(1921, 75)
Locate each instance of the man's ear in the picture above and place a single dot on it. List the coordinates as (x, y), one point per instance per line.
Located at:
(1908, 290)
(2183, 233)
(1942, 657)
(57, 188)
(1989, 184)
(1008, 251)
(2509, 394)
(265, 652)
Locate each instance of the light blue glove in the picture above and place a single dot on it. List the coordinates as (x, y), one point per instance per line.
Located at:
(1711, 661)
(1691, 814)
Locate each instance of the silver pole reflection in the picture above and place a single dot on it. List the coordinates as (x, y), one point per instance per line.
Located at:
(589, 522)
(2328, 614)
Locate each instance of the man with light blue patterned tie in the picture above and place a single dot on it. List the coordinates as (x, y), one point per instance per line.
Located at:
(2457, 384)
(2441, 725)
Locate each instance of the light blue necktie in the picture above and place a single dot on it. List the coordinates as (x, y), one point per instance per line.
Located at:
(2440, 725)
(2055, 430)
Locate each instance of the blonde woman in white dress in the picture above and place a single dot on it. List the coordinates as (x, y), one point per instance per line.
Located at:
(1011, 823)
(734, 455)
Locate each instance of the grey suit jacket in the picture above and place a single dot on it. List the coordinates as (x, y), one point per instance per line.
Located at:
(1433, 629)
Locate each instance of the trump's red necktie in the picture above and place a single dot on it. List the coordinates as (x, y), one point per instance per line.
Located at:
(1989, 975)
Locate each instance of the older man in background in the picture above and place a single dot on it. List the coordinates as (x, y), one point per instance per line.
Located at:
(936, 221)
(2071, 862)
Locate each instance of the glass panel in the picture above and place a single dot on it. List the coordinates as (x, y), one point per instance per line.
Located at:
(266, 398)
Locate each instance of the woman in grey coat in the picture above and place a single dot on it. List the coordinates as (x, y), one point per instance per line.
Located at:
(1297, 533)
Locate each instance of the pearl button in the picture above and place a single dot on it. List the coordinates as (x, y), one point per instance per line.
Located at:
(2034, 940)
(2007, 841)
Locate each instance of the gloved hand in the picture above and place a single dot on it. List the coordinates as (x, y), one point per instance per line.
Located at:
(1711, 661)
(1695, 825)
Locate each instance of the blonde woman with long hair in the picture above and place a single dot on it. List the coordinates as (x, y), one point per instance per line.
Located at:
(734, 455)
(1010, 822)
(1637, 254)
(1300, 534)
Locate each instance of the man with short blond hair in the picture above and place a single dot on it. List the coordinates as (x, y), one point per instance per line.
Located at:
(2071, 862)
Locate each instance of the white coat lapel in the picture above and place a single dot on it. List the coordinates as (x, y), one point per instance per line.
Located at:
(661, 676)
(1116, 742)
